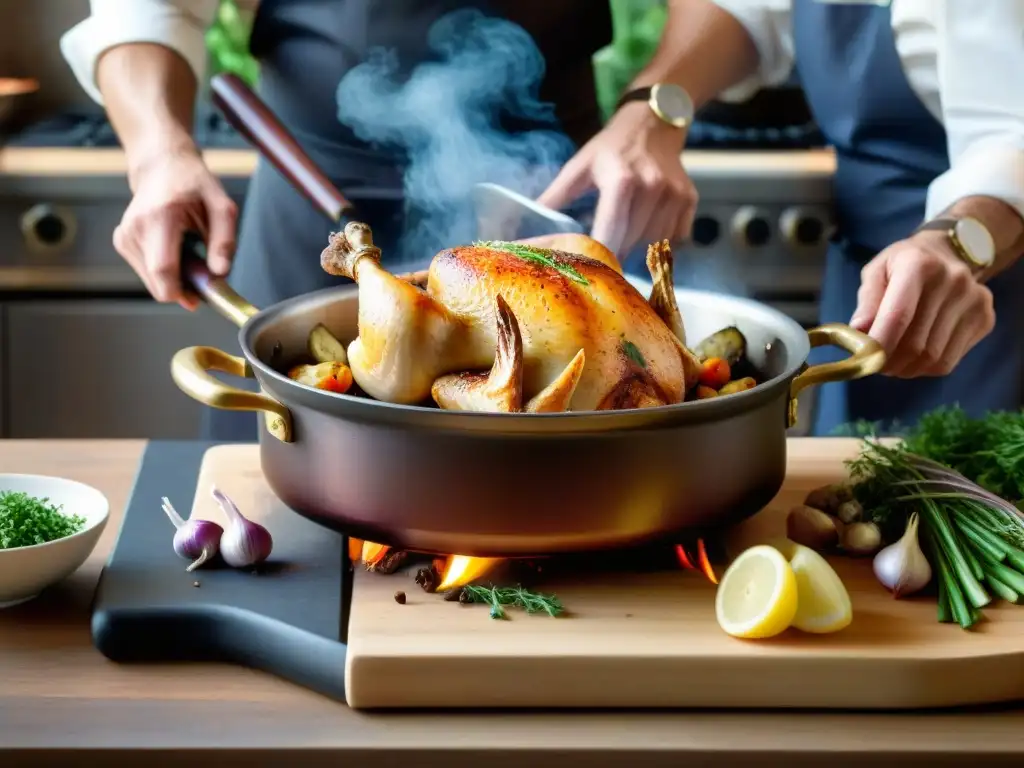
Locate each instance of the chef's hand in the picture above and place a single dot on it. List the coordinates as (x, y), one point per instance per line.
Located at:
(643, 192)
(175, 192)
(923, 305)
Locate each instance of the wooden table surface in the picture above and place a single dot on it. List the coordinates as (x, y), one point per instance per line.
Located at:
(63, 703)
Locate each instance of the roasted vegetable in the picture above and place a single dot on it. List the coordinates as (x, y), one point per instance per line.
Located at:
(324, 347)
(714, 373)
(332, 377)
(703, 393)
(728, 344)
(738, 385)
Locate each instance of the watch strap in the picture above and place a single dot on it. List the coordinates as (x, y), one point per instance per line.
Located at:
(636, 94)
(941, 225)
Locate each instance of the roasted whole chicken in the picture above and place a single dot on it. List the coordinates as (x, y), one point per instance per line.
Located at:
(516, 327)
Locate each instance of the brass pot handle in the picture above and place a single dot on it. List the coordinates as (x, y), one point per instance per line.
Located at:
(190, 369)
(866, 358)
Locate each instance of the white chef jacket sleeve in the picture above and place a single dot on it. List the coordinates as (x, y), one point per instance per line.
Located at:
(177, 24)
(769, 24)
(980, 56)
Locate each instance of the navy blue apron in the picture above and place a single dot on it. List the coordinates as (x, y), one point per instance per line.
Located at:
(889, 148)
(305, 47)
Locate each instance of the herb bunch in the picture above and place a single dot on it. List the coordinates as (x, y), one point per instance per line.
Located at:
(957, 474)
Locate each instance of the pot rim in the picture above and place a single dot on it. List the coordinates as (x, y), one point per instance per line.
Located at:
(371, 409)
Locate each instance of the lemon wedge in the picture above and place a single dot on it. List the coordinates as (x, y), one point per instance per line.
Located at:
(823, 604)
(757, 596)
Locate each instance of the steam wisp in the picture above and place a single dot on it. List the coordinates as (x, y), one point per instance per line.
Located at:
(446, 118)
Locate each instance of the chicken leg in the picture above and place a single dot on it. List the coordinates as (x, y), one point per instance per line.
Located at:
(663, 301)
(501, 390)
(404, 334)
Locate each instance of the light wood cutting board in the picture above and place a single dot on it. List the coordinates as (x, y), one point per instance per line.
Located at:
(651, 640)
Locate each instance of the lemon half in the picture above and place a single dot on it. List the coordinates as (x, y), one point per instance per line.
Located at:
(757, 596)
(823, 603)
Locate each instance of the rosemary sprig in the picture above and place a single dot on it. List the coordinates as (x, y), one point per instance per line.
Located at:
(498, 598)
(537, 256)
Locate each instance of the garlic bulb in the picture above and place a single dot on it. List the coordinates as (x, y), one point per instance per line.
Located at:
(902, 567)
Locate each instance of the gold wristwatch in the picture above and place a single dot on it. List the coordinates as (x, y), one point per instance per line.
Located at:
(969, 238)
(670, 102)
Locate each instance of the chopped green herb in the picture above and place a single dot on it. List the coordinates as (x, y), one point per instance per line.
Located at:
(499, 597)
(537, 256)
(633, 353)
(26, 521)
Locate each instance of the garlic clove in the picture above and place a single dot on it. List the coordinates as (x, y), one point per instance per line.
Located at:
(860, 538)
(812, 528)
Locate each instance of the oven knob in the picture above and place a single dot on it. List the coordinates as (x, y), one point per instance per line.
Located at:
(750, 227)
(47, 228)
(705, 230)
(801, 227)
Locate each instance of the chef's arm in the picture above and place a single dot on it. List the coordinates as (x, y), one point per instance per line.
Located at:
(716, 47)
(149, 92)
(983, 113)
(142, 60)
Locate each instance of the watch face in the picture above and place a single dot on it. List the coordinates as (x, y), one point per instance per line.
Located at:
(976, 240)
(673, 102)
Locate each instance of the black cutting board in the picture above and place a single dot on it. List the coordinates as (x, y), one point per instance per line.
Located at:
(289, 619)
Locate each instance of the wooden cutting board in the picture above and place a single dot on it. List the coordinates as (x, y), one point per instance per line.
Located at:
(651, 640)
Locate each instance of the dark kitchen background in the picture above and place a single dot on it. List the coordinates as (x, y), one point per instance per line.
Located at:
(85, 353)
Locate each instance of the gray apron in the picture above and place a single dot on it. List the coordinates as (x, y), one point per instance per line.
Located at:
(305, 47)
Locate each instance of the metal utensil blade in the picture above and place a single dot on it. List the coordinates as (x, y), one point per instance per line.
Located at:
(503, 214)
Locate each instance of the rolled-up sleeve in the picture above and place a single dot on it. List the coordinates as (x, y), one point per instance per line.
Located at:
(179, 25)
(980, 56)
(769, 24)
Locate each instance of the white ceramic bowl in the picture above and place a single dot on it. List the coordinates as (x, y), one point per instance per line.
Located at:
(27, 571)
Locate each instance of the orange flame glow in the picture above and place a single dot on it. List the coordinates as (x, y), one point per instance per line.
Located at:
(372, 553)
(459, 570)
(355, 550)
(703, 564)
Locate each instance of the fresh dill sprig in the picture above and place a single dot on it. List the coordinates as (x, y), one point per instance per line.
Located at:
(498, 598)
(537, 256)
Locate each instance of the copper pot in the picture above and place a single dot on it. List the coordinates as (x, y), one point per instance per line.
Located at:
(504, 485)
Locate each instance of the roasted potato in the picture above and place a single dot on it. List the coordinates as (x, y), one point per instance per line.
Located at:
(324, 347)
(331, 377)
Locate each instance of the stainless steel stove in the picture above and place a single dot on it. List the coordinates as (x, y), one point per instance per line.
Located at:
(761, 230)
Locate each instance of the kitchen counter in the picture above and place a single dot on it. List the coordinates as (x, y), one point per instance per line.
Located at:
(228, 163)
(61, 700)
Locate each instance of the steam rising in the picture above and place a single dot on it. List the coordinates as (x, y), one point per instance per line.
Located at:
(446, 117)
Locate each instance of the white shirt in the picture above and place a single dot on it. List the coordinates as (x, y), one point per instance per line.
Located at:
(963, 58)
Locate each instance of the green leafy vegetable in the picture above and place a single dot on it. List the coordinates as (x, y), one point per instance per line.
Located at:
(26, 520)
(633, 352)
(959, 474)
(537, 256)
(500, 597)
